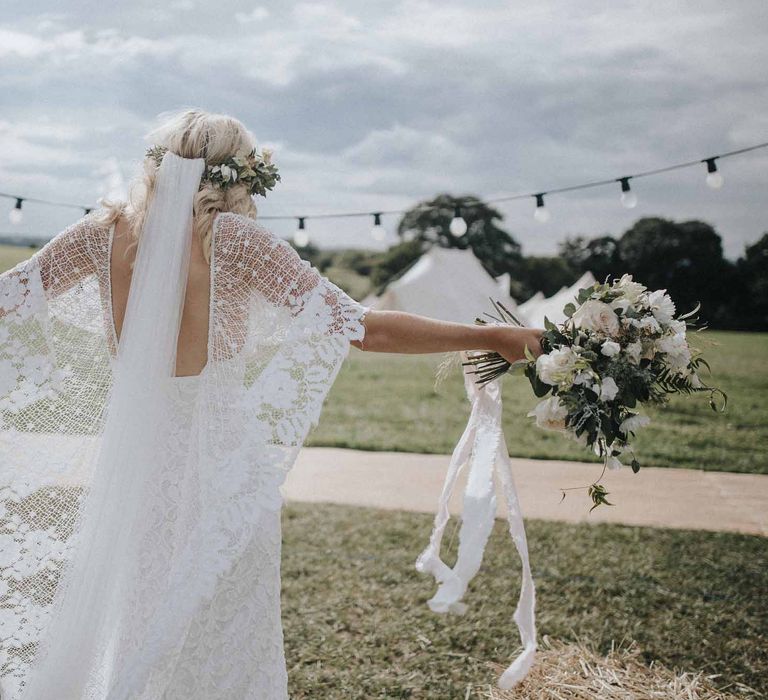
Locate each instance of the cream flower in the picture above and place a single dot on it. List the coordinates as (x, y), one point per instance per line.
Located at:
(676, 351)
(634, 351)
(557, 367)
(610, 348)
(596, 316)
(633, 423)
(661, 306)
(608, 389)
(550, 414)
(649, 324)
(629, 288)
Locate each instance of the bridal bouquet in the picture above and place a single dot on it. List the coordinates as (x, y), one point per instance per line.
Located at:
(620, 346)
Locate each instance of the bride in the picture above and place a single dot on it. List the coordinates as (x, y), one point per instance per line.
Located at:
(161, 363)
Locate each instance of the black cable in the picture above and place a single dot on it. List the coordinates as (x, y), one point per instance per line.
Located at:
(503, 198)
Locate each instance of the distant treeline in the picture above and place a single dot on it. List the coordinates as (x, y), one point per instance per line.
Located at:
(685, 258)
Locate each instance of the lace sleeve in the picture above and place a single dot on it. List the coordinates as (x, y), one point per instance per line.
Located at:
(282, 277)
(56, 267)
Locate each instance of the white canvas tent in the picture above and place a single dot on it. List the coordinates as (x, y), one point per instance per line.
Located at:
(537, 307)
(445, 283)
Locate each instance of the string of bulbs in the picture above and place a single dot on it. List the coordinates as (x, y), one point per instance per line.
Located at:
(458, 226)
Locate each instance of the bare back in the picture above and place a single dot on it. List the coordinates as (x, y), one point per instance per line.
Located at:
(192, 348)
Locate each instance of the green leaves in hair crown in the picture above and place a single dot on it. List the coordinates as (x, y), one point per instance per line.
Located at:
(255, 170)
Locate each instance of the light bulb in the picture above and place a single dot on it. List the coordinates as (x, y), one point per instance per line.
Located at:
(541, 213)
(301, 237)
(714, 178)
(628, 197)
(457, 227)
(378, 232)
(16, 215)
(628, 200)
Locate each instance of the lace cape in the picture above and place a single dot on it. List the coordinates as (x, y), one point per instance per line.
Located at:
(278, 334)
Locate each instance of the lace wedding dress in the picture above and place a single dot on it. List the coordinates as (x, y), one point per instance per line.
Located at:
(198, 611)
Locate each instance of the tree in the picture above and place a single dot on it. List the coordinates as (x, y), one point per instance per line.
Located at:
(752, 272)
(600, 255)
(393, 262)
(429, 223)
(684, 258)
(542, 274)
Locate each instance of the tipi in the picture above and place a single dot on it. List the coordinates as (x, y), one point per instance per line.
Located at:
(446, 283)
(537, 307)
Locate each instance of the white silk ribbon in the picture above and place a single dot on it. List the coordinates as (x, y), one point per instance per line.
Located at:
(484, 448)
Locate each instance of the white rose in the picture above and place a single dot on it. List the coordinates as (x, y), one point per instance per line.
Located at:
(629, 288)
(550, 414)
(661, 306)
(610, 348)
(608, 389)
(633, 423)
(597, 316)
(676, 351)
(556, 367)
(634, 351)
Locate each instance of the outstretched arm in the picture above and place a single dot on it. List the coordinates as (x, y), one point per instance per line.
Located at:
(399, 331)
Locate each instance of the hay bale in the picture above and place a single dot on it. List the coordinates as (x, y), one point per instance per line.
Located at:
(574, 672)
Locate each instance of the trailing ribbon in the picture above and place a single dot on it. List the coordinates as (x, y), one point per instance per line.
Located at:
(483, 447)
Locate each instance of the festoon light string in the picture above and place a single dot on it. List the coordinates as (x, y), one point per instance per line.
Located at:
(458, 225)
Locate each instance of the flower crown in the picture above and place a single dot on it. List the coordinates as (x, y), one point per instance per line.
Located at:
(256, 171)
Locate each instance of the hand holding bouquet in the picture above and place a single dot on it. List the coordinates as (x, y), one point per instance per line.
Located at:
(620, 346)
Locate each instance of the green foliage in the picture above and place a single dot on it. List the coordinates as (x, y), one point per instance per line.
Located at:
(599, 496)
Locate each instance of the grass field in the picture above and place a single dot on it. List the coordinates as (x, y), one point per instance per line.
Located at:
(10, 255)
(357, 625)
(389, 402)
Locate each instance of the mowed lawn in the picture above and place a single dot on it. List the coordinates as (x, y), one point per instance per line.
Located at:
(390, 402)
(357, 624)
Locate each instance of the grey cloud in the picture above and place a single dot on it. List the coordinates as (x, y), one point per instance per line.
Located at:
(379, 105)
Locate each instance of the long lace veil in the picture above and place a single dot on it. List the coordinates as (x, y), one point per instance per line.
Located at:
(92, 606)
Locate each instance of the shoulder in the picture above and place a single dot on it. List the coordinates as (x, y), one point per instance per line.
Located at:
(88, 237)
(238, 233)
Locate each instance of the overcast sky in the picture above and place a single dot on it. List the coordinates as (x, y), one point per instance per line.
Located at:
(378, 105)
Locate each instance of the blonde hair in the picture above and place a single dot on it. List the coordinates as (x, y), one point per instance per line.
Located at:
(190, 133)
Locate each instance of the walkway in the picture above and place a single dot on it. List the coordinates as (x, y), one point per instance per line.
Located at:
(673, 498)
